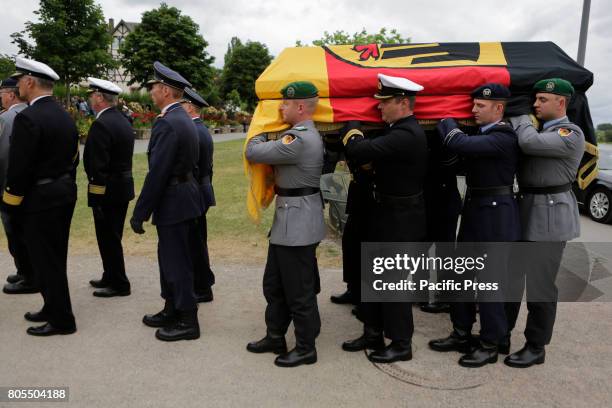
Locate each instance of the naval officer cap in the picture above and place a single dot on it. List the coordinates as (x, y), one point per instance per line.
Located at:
(164, 75)
(192, 97)
(390, 86)
(8, 83)
(556, 86)
(33, 68)
(103, 86)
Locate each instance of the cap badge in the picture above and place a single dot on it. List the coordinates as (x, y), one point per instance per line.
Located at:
(290, 92)
(486, 92)
(550, 86)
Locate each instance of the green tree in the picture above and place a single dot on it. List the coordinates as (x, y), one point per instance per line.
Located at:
(243, 65)
(7, 66)
(166, 35)
(71, 36)
(341, 37)
(604, 126)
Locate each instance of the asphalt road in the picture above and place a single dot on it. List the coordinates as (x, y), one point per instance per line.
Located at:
(115, 361)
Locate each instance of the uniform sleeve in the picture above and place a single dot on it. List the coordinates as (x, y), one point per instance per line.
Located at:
(161, 159)
(22, 153)
(96, 159)
(361, 150)
(496, 143)
(559, 143)
(285, 150)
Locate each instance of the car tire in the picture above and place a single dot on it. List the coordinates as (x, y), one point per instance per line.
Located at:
(599, 205)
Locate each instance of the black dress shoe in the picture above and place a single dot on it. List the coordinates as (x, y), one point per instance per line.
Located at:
(276, 345)
(204, 296)
(166, 317)
(20, 288)
(344, 298)
(435, 307)
(370, 339)
(178, 331)
(526, 357)
(36, 317)
(396, 351)
(483, 355)
(297, 357)
(110, 292)
(98, 283)
(504, 345)
(48, 330)
(459, 340)
(14, 278)
(185, 328)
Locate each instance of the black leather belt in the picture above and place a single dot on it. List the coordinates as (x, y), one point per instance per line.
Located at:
(547, 190)
(44, 181)
(296, 192)
(183, 178)
(388, 199)
(489, 191)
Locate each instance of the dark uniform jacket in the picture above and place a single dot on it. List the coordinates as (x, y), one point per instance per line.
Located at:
(170, 191)
(108, 159)
(43, 157)
(205, 163)
(491, 160)
(399, 161)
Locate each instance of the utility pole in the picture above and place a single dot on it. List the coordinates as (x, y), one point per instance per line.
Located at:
(584, 28)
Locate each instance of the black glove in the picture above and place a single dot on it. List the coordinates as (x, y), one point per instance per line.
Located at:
(136, 226)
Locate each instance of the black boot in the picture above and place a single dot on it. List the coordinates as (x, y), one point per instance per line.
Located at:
(164, 318)
(459, 340)
(14, 278)
(526, 357)
(269, 344)
(396, 351)
(20, 287)
(344, 298)
(435, 307)
(372, 338)
(301, 354)
(485, 354)
(186, 327)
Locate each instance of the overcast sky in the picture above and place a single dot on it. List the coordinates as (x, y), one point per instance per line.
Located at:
(278, 24)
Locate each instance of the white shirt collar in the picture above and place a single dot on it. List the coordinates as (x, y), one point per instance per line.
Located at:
(37, 98)
(167, 107)
(553, 122)
(102, 111)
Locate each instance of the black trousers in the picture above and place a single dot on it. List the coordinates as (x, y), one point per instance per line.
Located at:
(539, 274)
(203, 276)
(46, 236)
(493, 324)
(109, 221)
(290, 285)
(176, 264)
(13, 228)
(393, 318)
(354, 233)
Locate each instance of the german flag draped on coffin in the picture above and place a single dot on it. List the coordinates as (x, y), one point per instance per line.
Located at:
(346, 77)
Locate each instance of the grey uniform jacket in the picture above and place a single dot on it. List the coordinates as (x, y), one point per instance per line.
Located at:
(297, 158)
(6, 127)
(550, 158)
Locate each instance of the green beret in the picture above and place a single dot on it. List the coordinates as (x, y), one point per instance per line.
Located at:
(556, 86)
(300, 90)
